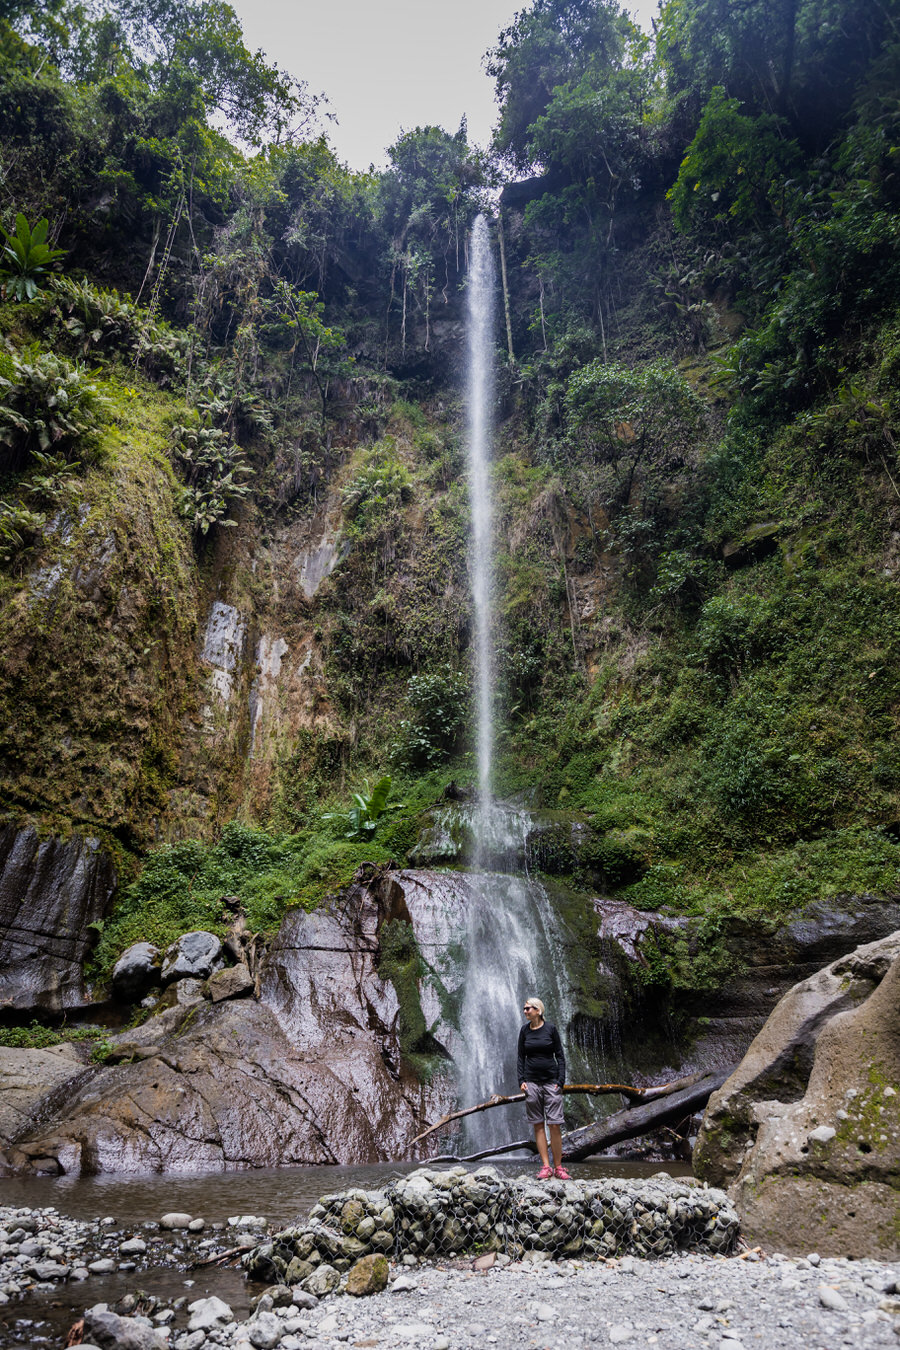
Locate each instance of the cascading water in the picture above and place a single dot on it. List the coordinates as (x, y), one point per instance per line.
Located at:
(512, 948)
(481, 298)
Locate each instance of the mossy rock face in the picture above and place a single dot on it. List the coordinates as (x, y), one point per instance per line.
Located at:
(97, 643)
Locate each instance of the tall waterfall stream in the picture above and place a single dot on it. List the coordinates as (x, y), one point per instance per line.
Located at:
(512, 945)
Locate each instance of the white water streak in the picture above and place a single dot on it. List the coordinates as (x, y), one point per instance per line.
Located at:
(481, 300)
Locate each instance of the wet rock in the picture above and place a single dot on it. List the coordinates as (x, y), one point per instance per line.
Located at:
(29, 1079)
(136, 972)
(111, 1332)
(806, 1132)
(51, 892)
(767, 964)
(235, 982)
(175, 1219)
(193, 956)
(369, 1275)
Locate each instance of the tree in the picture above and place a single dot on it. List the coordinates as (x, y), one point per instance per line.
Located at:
(631, 421)
(551, 44)
(797, 59)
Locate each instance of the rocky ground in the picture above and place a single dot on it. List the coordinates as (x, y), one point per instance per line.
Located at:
(678, 1303)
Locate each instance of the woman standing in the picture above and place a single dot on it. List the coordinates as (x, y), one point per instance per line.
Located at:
(542, 1072)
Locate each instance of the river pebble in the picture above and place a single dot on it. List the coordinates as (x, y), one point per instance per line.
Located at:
(707, 1302)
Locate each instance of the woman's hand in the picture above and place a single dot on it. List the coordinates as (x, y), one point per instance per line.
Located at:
(524, 1087)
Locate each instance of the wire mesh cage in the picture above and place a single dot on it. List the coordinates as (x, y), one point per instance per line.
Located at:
(443, 1215)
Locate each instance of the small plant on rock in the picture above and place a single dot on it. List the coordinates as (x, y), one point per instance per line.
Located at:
(25, 258)
(367, 810)
(214, 470)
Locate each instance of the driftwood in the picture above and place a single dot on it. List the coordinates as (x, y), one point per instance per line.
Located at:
(634, 1094)
(222, 1256)
(638, 1120)
(658, 1106)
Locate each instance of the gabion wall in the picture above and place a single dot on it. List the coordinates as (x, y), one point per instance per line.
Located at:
(434, 1215)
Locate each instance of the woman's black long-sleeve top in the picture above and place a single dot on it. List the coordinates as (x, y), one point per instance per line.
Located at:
(541, 1057)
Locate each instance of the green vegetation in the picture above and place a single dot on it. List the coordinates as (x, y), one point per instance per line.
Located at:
(25, 258)
(697, 465)
(367, 810)
(40, 1037)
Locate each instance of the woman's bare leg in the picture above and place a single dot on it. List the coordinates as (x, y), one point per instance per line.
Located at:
(556, 1144)
(540, 1138)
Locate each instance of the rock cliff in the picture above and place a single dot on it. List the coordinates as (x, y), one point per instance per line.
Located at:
(805, 1133)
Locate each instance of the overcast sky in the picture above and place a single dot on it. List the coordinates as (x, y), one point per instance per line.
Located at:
(387, 66)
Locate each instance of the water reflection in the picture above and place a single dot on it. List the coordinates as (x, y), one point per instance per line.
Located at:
(280, 1194)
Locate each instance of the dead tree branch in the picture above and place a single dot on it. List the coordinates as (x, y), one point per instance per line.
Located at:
(632, 1093)
(657, 1107)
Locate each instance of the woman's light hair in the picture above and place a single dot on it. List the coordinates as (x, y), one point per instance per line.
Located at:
(536, 1003)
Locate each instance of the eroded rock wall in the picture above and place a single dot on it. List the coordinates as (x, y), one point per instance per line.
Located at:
(806, 1133)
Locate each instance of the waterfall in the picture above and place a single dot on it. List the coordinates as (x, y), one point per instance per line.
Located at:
(481, 295)
(512, 947)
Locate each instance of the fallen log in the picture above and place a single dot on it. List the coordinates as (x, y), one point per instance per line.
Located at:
(632, 1094)
(671, 1103)
(637, 1120)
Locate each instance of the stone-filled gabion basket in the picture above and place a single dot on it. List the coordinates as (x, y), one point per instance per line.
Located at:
(434, 1215)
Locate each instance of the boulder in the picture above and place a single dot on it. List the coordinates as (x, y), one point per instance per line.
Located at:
(51, 893)
(369, 1275)
(234, 982)
(29, 1078)
(136, 972)
(806, 1132)
(310, 1073)
(111, 1332)
(193, 956)
(206, 1314)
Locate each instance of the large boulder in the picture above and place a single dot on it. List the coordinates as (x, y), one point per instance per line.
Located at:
(28, 1078)
(136, 972)
(309, 1073)
(806, 1132)
(51, 893)
(193, 956)
(765, 963)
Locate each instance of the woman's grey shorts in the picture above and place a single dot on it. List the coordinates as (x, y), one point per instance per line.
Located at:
(543, 1101)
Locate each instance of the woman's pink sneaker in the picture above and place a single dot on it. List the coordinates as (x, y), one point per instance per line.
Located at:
(545, 1174)
(561, 1174)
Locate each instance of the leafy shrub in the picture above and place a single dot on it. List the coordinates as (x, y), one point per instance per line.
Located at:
(380, 483)
(38, 1037)
(213, 468)
(440, 703)
(49, 402)
(94, 317)
(367, 809)
(21, 530)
